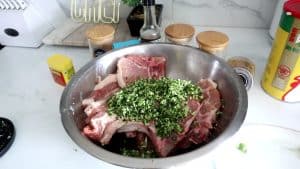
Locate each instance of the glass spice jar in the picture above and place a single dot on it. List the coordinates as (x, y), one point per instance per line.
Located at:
(213, 42)
(179, 33)
(100, 38)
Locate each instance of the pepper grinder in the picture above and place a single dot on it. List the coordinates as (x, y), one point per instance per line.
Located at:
(150, 31)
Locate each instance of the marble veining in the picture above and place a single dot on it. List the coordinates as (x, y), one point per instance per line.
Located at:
(229, 13)
(231, 4)
(196, 4)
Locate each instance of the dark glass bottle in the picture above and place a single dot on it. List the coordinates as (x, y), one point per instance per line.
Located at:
(150, 30)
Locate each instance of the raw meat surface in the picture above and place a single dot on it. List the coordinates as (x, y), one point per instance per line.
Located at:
(103, 90)
(206, 116)
(101, 126)
(134, 67)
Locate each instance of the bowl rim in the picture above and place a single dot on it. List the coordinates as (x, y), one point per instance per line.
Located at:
(124, 161)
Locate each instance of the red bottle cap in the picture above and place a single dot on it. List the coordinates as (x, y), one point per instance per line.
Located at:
(292, 6)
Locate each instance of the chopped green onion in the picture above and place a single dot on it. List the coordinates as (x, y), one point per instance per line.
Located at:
(162, 101)
(242, 147)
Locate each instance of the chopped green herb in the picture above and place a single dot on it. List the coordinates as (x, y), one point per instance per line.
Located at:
(219, 113)
(242, 147)
(218, 116)
(162, 101)
(138, 153)
(139, 148)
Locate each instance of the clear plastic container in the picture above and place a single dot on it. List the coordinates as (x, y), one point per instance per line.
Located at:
(213, 42)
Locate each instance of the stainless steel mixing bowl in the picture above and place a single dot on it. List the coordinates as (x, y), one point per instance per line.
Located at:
(182, 62)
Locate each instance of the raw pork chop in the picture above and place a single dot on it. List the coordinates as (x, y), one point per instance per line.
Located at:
(103, 126)
(206, 116)
(134, 67)
(103, 90)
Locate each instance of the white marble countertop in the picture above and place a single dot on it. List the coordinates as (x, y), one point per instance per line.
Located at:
(30, 98)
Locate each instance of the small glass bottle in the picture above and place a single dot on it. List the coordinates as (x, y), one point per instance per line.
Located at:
(150, 30)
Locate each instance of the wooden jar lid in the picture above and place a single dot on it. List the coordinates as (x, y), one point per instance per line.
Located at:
(100, 32)
(180, 31)
(212, 39)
